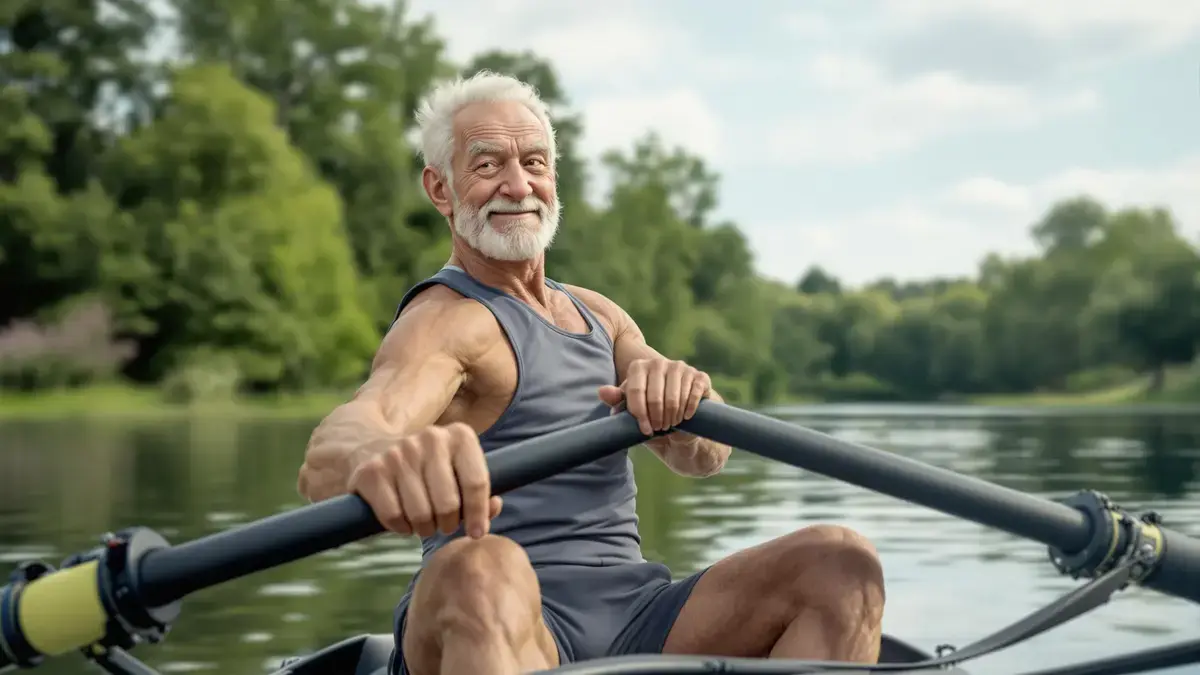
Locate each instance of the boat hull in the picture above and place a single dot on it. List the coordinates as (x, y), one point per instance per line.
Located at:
(372, 654)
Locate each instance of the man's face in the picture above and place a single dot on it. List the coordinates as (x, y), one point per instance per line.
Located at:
(504, 196)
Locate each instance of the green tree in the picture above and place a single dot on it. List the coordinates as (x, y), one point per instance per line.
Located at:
(345, 78)
(240, 247)
(71, 81)
(1149, 295)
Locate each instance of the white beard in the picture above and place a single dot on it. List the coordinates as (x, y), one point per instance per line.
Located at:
(520, 241)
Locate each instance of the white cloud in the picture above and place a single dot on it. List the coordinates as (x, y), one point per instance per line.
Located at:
(990, 193)
(1175, 187)
(680, 116)
(1153, 24)
(806, 24)
(585, 42)
(877, 116)
(612, 58)
(952, 230)
(1067, 33)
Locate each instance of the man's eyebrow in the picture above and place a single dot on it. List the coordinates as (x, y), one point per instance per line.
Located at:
(535, 146)
(483, 148)
(477, 148)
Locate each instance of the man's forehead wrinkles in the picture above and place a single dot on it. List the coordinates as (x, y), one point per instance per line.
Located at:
(485, 129)
(482, 143)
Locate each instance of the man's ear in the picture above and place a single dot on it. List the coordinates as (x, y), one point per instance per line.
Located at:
(438, 190)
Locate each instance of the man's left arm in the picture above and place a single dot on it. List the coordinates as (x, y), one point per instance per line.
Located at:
(659, 392)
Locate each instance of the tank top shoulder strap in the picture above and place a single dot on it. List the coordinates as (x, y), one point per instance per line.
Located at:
(598, 329)
(455, 279)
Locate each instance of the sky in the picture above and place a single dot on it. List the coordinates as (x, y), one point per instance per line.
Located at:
(901, 138)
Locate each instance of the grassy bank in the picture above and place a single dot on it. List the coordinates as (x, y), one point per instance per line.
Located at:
(1182, 385)
(136, 402)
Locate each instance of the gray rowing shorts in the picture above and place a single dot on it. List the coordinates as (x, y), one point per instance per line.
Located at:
(598, 611)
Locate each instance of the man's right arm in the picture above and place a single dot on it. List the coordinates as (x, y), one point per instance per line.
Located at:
(419, 367)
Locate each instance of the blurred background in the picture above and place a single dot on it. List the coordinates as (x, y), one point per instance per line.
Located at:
(962, 231)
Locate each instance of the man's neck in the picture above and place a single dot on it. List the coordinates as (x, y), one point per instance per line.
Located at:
(523, 279)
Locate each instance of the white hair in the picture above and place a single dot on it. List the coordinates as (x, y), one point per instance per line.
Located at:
(435, 114)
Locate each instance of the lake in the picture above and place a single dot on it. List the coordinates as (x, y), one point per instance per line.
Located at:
(64, 482)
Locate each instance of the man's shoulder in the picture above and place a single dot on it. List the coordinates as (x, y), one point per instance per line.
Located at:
(605, 309)
(443, 314)
(595, 301)
(439, 304)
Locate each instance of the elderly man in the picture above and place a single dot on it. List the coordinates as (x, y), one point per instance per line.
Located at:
(490, 352)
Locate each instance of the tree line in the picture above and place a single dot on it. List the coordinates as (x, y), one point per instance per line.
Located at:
(243, 213)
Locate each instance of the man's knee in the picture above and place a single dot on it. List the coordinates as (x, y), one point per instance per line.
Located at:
(471, 585)
(472, 567)
(831, 560)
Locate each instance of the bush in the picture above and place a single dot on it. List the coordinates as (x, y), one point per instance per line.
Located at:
(77, 349)
(202, 376)
(855, 387)
(1107, 377)
(734, 390)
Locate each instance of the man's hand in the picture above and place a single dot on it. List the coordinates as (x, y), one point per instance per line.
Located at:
(432, 480)
(659, 393)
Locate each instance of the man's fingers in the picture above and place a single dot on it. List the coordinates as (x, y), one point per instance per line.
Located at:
(442, 488)
(413, 498)
(635, 403)
(700, 388)
(634, 387)
(375, 487)
(675, 393)
(474, 484)
(656, 381)
(495, 505)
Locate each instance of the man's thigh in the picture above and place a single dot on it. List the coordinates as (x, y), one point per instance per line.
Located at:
(744, 602)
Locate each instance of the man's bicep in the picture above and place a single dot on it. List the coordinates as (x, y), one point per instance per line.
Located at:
(418, 369)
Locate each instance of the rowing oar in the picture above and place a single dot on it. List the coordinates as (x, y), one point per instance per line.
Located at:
(128, 589)
(1086, 533)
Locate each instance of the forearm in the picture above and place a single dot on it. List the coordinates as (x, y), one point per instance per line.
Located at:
(691, 455)
(350, 433)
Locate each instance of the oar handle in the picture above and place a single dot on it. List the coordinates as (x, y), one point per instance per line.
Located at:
(166, 575)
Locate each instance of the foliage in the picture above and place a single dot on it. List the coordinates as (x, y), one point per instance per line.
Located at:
(245, 213)
(75, 349)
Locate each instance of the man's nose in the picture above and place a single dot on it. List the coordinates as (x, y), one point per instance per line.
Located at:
(517, 185)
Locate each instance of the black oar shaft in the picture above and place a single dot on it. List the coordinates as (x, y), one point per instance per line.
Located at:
(953, 493)
(169, 574)
(1056, 525)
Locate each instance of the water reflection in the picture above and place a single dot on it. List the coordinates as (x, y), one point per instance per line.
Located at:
(64, 482)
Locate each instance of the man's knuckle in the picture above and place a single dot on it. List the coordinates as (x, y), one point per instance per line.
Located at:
(373, 465)
(473, 483)
(449, 505)
(460, 429)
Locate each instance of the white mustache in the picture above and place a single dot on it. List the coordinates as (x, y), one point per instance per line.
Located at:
(529, 204)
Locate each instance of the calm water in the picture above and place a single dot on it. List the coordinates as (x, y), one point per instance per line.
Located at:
(62, 483)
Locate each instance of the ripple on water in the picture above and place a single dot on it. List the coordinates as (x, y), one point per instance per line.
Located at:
(948, 580)
(291, 589)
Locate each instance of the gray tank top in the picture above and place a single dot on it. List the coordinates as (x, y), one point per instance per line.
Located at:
(586, 516)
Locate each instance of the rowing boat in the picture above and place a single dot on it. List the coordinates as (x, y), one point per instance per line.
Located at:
(129, 590)
(372, 654)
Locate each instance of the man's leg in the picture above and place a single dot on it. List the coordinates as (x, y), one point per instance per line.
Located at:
(476, 608)
(814, 594)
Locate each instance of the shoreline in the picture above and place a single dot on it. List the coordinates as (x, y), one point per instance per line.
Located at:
(132, 402)
(129, 402)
